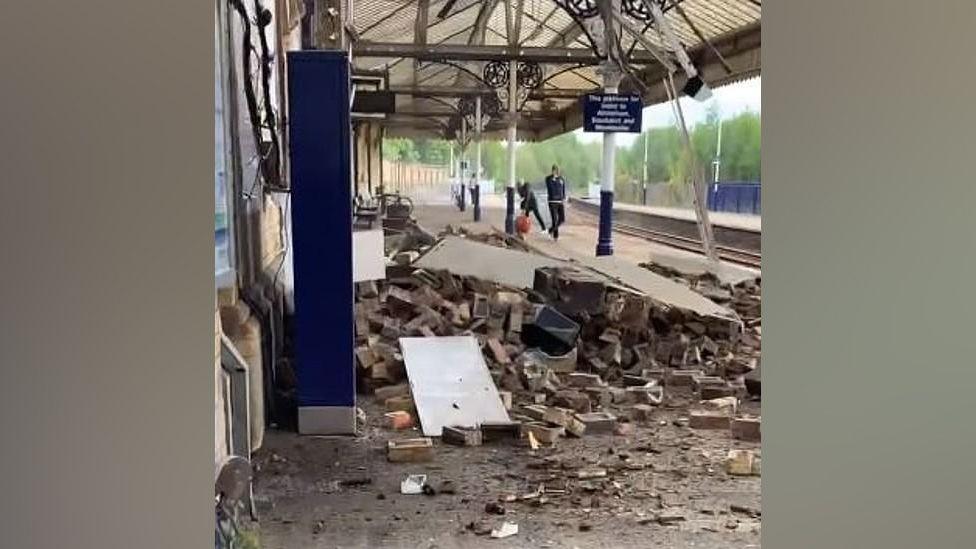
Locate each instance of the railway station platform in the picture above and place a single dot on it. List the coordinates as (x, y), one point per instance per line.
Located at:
(742, 222)
(577, 236)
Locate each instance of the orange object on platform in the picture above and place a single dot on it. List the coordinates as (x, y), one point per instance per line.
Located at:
(399, 420)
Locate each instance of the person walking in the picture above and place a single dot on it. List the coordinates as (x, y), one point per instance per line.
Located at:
(556, 189)
(529, 203)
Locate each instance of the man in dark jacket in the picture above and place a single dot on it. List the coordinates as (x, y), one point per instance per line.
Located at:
(556, 189)
(529, 203)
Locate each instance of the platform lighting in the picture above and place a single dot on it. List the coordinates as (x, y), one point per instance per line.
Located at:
(695, 87)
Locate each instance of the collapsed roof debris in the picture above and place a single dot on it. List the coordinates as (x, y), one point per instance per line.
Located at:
(562, 341)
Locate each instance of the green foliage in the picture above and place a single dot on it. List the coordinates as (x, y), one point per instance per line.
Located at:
(423, 151)
(741, 137)
(580, 162)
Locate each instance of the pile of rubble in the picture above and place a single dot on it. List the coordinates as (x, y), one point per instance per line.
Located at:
(574, 355)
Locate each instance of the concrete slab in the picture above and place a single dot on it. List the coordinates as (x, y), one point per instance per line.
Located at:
(450, 383)
(576, 236)
(469, 258)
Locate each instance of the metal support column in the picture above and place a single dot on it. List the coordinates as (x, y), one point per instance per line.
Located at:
(476, 189)
(611, 78)
(463, 184)
(318, 99)
(512, 133)
(382, 188)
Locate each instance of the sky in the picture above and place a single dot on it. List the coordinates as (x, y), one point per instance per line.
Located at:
(731, 100)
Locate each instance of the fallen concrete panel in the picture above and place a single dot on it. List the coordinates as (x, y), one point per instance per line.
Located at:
(469, 258)
(368, 261)
(450, 383)
(657, 287)
(513, 268)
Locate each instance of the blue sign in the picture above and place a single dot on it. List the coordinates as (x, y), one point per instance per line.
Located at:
(611, 112)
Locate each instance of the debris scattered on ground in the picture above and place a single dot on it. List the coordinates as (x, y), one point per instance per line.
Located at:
(741, 463)
(410, 450)
(747, 428)
(494, 508)
(413, 484)
(399, 420)
(507, 529)
(573, 355)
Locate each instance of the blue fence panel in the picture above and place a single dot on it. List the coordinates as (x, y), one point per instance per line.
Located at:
(735, 196)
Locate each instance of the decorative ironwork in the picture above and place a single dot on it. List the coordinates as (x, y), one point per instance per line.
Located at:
(638, 10)
(466, 106)
(496, 74)
(529, 75)
(579, 9)
(491, 106)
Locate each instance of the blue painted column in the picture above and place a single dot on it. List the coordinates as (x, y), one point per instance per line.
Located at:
(476, 201)
(510, 210)
(604, 246)
(321, 182)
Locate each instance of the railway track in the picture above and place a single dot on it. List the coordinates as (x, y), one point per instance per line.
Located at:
(732, 255)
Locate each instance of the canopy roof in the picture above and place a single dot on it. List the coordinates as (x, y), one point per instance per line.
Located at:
(437, 55)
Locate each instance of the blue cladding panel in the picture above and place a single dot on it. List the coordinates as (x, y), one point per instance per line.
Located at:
(318, 97)
(735, 196)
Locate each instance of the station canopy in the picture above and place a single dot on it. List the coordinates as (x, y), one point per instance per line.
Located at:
(436, 56)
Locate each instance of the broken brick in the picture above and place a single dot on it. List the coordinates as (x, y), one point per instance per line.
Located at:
(515, 319)
(383, 393)
(746, 428)
(461, 436)
(391, 328)
(544, 433)
(575, 427)
(366, 289)
(682, 378)
(624, 429)
(410, 450)
(506, 397)
(598, 422)
(365, 357)
(700, 382)
(579, 379)
(708, 420)
(534, 411)
(710, 392)
(617, 394)
(646, 394)
(398, 301)
(500, 430)
(498, 351)
(599, 396)
(740, 463)
(557, 416)
(642, 413)
(398, 403)
(573, 400)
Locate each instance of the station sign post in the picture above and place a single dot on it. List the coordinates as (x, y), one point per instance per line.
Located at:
(612, 113)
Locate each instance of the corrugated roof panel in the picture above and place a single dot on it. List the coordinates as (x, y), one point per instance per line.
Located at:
(456, 28)
(397, 27)
(367, 13)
